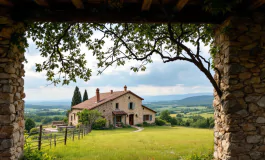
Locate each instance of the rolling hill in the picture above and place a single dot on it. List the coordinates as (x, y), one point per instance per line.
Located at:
(204, 100)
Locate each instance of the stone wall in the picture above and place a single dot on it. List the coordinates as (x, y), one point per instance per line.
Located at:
(240, 113)
(11, 92)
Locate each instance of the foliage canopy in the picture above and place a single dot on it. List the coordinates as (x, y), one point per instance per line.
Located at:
(117, 44)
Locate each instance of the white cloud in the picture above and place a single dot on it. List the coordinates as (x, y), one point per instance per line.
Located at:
(39, 90)
(63, 93)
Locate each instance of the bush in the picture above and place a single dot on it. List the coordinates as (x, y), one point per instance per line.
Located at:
(34, 131)
(145, 124)
(29, 124)
(208, 155)
(165, 115)
(160, 122)
(34, 154)
(139, 125)
(127, 126)
(174, 121)
(99, 123)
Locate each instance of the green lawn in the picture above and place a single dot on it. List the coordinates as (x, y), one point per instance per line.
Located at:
(154, 143)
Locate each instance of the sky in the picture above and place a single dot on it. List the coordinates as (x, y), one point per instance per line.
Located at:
(160, 78)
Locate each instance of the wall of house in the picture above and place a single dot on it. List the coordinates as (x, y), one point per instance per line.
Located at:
(74, 121)
(123, 106)
(107, 108)
(149, 112)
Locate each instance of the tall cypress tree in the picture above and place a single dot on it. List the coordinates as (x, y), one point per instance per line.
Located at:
(85, 96)
(77, 98)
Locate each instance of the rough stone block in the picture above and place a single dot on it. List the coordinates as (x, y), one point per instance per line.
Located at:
(7, 143)
(260, 120)
(254, 139)
(261, 102)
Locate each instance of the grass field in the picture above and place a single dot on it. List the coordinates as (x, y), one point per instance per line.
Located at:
(154, 143)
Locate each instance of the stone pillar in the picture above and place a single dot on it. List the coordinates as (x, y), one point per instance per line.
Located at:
(239, 132)
(11, 90)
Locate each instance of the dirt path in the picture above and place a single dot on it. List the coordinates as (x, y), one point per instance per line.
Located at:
(139, 129)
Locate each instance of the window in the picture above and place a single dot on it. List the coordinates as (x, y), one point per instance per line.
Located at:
(131, 105)
(71, 118)
(147, 118)
(117, 105)
(118, 118)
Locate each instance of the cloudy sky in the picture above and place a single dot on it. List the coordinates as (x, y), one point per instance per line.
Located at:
(159, 79)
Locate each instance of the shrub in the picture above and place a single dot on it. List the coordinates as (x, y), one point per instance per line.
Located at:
(174, 121)
(99, 123)
(34, 131)
(145, 124)
(160, 122)
(208, 155)
(29, 124)
(165, 115)
(34, 154)
(127, 126)
(139, 125)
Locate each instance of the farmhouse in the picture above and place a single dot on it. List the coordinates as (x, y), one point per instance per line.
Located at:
(117, 107)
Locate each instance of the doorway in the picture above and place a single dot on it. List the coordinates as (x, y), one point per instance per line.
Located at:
(131, 119)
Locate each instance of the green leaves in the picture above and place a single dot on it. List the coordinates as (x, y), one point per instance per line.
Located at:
(113, 44)
(60, 44)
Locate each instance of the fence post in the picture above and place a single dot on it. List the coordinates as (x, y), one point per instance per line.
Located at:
(82, 132)
(79, 134)
(55, 140)
(65, 136)
(73, 134)
(40, 134)
(51, 141)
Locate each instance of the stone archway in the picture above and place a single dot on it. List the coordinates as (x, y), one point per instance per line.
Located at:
(239, 114)
(11, 91)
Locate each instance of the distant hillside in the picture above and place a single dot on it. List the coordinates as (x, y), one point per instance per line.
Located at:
(196, 100)
(172, 97)
(39, 106)
(205, 100)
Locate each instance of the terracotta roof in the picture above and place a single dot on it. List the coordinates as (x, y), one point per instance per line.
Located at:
(104, 97)
(119, 112)
(148, 108)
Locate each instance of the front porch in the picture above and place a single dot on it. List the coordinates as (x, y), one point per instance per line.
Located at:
(119, 118)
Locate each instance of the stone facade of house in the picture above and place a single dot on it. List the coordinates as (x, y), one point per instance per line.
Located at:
(134, 115)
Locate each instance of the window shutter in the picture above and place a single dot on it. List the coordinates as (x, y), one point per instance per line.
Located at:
(150, 117)
(133, 105)
(129, 105)
(143, 118)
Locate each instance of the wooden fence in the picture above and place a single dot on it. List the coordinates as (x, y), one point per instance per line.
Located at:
(42, 138)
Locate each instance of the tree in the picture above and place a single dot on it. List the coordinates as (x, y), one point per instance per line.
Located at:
(29, 124)
(76, 97)
(88, 118)
(60, 44)
(165, 115)
(46, 120)
(85, 96)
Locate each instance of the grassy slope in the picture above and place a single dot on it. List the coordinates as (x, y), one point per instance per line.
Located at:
(152, 143)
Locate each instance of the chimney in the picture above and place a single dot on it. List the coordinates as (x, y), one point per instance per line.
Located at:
(125, 88)
(111, 91)
(97, 94)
